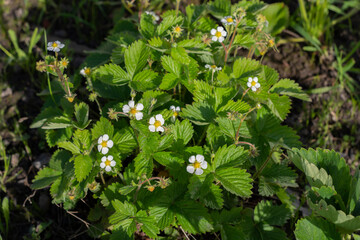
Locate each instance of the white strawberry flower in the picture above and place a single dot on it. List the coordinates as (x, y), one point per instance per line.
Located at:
(154, 16)
(107, 163)
(104, 144)
(156, 123)
(219, 34)
(228, 20)
(134, 110)
(253, 83)
(85, 71)
(55, 46)
(197, 164)
(176, 111)
(214, 68)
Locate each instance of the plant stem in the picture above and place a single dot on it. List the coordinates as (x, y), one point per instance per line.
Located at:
(238, 130)
(247, 143)
(264, 164)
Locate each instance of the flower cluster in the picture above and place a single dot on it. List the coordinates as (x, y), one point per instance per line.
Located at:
(104, 144)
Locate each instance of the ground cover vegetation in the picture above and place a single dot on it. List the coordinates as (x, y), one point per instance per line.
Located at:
(175, 126)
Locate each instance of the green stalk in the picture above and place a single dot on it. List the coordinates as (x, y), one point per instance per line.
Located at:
(303, 12)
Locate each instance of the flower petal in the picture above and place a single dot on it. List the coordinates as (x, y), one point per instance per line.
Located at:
(112, 163)
(139, 115)
(190, 169)
(102, 165)
(200, 158)
(192, 159)
(131, 103)
(214, 38)
(253, 88)
(105, 150)
(199, 171)
(207, 66)
(108, 168)
(172, 107)
(249, 84)
(105, 137)
(139, 106)
(256, 79)
(250, 79)
(204, 165)
(160, 129)
(221, 39)
(99, 148)
(257, 85)
(100, 140)
(220, 29)
(178, 109)
(126, 108)
(213, 31)
(110, 144)
(50, 44)
(223, 34)
(103, 159)
(152, 120)
(152, 128)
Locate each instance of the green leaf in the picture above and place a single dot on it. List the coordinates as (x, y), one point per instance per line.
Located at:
(147, 224)
(143, 164)
(103, 126)
(70, 147)
(314, 228)
(231, 156)
(123, 216)
(82, 140)
(290, 88)
(193, 217)
(279, 105)
(344, 222)
(235, 180)
(271, 214)
(125, 140)
(200, 113)
(145, 80)
(53, 137)
(238, 106)
(169, 81)
(180, 55)
(83, 166)
(220, 8)
(112, 74)
(57, 123)
(170, 65)
(45, 177)
(244, 68)
(193, 12)
(277, 14)
(147, 27)
(167, 23)
(82, 114)
(183, 132)
(45, 115)
(136, 58)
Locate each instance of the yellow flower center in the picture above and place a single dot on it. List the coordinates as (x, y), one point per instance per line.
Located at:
(197, 164)
(253, 83)
(175, 114)
(104, 143)
(177, 29)
(107, 163)
(133, 111)
(151, 188)
(229, 20)
(54, 44)
(87, 71)
(218, 34)
(64, 63)
(70, 99)
(157, 124)
(271, 43)
(71, 197)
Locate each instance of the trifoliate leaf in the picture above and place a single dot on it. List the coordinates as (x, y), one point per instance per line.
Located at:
(82, 140)
(266, 212)
(125, 140)
(112, 74)
(59, 135)
(147, 224)
(83, 166)
(170, 65)
(315, 228)
(147, 27)
(180, 55)
(59, 160)
(136, 58)
(45, 177)
(235, 180)
(111, 193)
